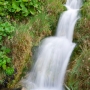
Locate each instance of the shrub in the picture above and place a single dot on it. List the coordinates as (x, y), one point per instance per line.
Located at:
(5, 32)
(19, 8)
(6, 67)
(25, 38)
(5, 61)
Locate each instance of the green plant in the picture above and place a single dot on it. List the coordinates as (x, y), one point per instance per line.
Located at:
(21, 44)
(19, 8)
(78, 77)
(5, 30)
(53, 8)
(5, 61)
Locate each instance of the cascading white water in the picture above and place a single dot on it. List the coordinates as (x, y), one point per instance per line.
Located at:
(68, 19)
(54, 53)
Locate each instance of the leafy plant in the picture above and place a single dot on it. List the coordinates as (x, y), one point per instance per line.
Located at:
(5, 61)
(5, 30)
(19, 8)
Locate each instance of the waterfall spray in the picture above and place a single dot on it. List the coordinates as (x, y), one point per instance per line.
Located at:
(54, 53)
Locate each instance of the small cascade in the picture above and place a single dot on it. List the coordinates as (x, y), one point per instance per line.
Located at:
(54, 53)
(68, 19)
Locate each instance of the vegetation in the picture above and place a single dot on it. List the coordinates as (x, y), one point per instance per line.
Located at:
(12, 40)
(18, 38)
(5, 62)
(78, 77)
(6, 67)
(23, 24)
(19, 8)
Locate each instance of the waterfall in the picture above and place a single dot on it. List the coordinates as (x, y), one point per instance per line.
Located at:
(54, 53)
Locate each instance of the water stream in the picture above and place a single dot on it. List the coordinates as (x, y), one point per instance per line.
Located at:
(54, 53)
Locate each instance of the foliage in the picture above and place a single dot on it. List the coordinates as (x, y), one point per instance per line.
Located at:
(6, 29)
(53, 8)
(19, 8)
(78, 77)
(25, 37)
(28, 35)
(5, 61)
(21, 44)
(39, 28)
(10, 10)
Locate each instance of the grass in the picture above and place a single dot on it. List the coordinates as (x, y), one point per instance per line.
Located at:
(28, 34)
(53, 8)
(21, 51)
(78, 73)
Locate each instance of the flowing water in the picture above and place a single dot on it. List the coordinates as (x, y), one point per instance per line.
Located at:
(54, 53)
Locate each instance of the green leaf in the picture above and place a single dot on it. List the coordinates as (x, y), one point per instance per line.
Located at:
(15, 6)
(0, 64)
(24, 9)
(0, 38)
(8, 60)
(5, 49)
(4, 67)
(25, 0)
(1, 3)
(9, 71)
(1, 29)
(32, 11)
(4, 62)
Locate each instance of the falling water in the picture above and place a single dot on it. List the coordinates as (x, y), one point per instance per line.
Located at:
(54, 53)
